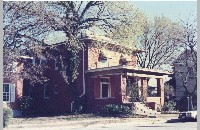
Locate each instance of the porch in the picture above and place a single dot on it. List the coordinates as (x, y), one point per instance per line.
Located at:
(123, 85)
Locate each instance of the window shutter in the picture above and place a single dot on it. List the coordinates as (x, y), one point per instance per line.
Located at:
(12, 92)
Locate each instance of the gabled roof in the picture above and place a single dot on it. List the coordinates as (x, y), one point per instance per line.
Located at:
(181, 57)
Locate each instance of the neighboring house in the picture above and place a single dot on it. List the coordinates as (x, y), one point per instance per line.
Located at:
(180, 69)
(103, 77)
(12, 90)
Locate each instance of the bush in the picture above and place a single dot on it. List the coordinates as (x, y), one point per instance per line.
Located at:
(169, 106)
(7, 114)
(26, 104)
(113, 109)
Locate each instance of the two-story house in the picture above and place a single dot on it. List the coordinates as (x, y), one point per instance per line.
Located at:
(184, 72)
(104, 72)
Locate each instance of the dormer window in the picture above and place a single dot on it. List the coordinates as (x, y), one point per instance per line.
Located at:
(123, 60)
(102, 56)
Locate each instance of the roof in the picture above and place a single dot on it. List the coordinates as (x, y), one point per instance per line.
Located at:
(88, 35)
(181, 57)
(130, 69)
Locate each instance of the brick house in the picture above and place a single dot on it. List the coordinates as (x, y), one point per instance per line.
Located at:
(12, 90)
(103, 78)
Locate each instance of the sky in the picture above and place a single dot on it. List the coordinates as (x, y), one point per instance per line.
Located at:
(174, 10)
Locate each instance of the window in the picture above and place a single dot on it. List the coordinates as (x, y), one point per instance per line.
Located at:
(46, 91)
(105, 88)
(9, 92)
(28, 90)
(33, 61)
(43, 60)
(103, 63)
(6, 92)
(55, 89)
(56, 63)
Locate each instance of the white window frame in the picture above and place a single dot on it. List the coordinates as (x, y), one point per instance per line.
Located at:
(45, 87)
(56, 61)
(11, 92)
(109, 87)
(7, 92)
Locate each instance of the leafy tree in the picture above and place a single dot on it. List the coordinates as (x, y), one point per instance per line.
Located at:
(27, 24)
(161, 42)
(188, 61)
(130, 27)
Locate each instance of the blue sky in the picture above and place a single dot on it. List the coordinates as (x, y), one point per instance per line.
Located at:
(174, 10)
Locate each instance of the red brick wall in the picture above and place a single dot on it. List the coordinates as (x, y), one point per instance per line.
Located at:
(94, 102)
(144, 88)
(93, 58)
(56, 103)
(61, 102)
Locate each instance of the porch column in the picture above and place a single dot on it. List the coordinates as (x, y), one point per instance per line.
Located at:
(144, 87)
(160, 90)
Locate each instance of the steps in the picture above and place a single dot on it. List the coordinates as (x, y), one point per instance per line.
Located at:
(143, 110)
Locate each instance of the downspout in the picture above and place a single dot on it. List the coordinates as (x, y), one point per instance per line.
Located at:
(83, 73)
(83, 80)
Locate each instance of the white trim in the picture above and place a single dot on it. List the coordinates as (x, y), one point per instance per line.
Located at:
(105, 98)
(25, 57)
(131, 68)
(144, 75)
(109, 87)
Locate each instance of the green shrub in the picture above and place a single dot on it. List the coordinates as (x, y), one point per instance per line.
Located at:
(113, 109)
(169, 106)
(26, 104)
(7, 114)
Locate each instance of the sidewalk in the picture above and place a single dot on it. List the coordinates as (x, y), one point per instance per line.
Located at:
(52, 123)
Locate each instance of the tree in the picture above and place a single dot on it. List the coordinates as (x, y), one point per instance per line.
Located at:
(132, 20)
(169, 91)
(26, 24)
(161, 42)
(188, 60)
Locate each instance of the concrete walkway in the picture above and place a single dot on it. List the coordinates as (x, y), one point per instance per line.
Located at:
(53, 124)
